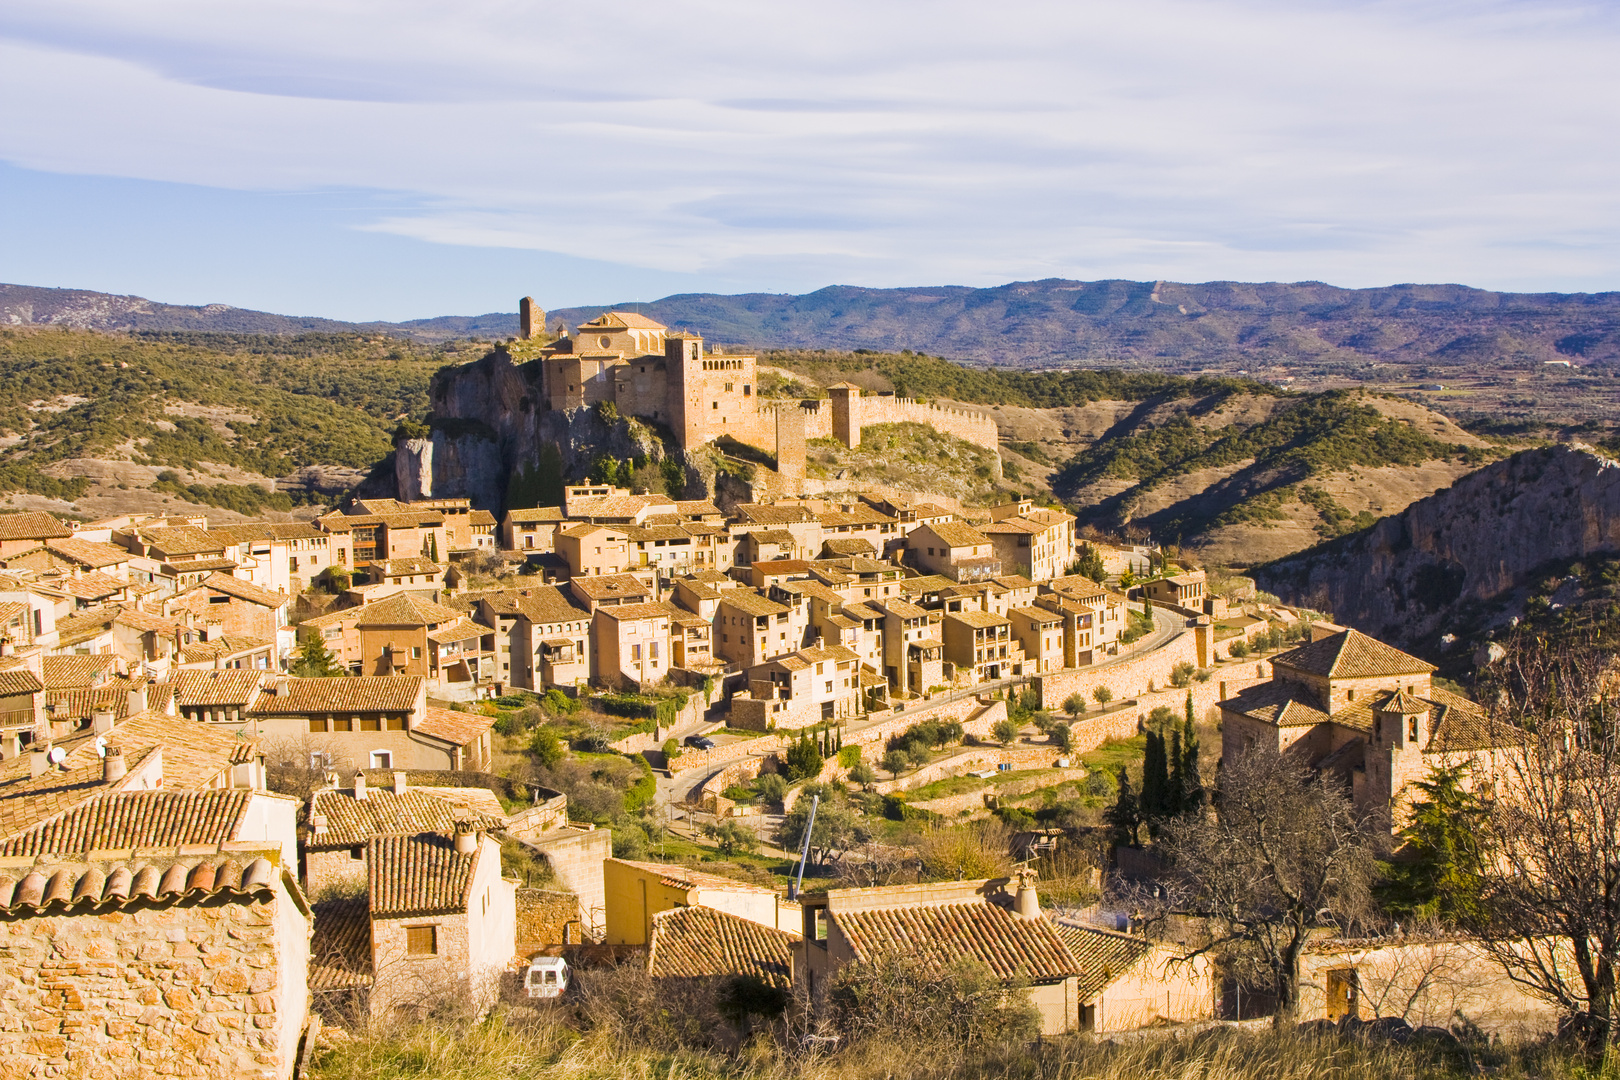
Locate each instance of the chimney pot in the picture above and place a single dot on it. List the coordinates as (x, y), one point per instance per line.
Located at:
(359, 786)
(399, 781)
(113, 767)
(1029, 902)
(466, 838)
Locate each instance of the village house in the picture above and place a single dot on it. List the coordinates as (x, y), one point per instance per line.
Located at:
(705, 945)
(638, 891)
(279, 556)
(1040, 634)
(751, 628)
(532, 531)
(1128, 983)
(594, 550)
(31, 529)
(799, 689)
(952, 549)
(995, 923)
(550, 639)
(913, 651)
(240, 608)
(1350, 705)
(631, 644)
(1186, 589)
(981, 645)
(407, 635)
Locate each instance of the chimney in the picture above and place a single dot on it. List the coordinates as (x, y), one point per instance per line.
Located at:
(10, 748)
(101, 719)
(113, 768)
(466, 838)
(283, 686)
(399, 781)
(137, 700)
(318, 821)
(38, 763)
(7, 647)
(359, 786)
(1029, 903)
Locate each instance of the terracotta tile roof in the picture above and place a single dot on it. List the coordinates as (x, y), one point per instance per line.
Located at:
(633, 612)
(782, 566)
(696, 508)
(93, 586)
(978, 618)
(459, 728)
(19, 680)
(1460, 725)
(901, 608)
(137, 819)
(1282, 704)
(351, 821)
(849, 545)
(34, 525)
(759, 514)
(943, 934)
(956, 534)
(925, 583)
(81, 704)
(463, 629)
(608, 586)
(222, 648)
(1040, 615)
(772, 536)
(861, 515)
(1012, 582)
(403, 609)
(37, 889)
(539, 513)
(629, 320)
(225, 566)
(184, 540)
(1352, 655)
(418, 875)
(550, 604)
(340, 947)
(703, 943)
(194, 757)
(345, 694)
(481, 517)
(82, 627)
(147, 623)
(89, 553)
(751, 602)
(1104, 955)
(240, 589)
(1018, 525)
(220, 686)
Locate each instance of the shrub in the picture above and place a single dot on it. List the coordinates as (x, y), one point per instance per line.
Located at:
(731, 837)
(771, 787)
(560, 704)
(546, 747)
(672, 749)
(1062, 736)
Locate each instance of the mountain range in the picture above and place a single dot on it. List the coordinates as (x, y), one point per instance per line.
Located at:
(1307, 326)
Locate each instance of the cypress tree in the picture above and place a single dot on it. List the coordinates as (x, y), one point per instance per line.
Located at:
(1192, 784)
(1155, 782)
(1175, 795)
(1125, 816)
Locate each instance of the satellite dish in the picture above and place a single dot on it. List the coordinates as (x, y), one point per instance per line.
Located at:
(57, 755)
(101, 746)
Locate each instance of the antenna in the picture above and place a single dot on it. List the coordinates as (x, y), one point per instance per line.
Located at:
(804, 853)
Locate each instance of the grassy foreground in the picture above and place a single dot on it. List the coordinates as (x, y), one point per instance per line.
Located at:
(521, 1044)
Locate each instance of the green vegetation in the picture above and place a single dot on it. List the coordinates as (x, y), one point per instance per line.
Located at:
(263, 404)
(918, 375)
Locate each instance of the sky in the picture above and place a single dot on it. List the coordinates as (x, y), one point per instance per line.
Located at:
(407, 159)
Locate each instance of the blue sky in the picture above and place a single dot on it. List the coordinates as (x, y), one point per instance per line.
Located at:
(399, 160)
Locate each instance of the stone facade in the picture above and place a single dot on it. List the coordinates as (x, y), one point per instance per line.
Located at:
(198, 987)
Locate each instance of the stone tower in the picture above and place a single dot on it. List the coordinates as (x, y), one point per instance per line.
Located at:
(683, 361)
(531, 319)
(846, 425)
(790, 463)
(1395, 758)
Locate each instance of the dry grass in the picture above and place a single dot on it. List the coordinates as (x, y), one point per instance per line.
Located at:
(522, 1043)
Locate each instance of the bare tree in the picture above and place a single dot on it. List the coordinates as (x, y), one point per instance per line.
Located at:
(1284, 854)
(299, 765)
(1551, 892)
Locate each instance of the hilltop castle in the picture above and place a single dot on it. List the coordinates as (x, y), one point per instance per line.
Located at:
(648, 371)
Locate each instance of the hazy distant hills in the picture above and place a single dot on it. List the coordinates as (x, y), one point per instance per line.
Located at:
(1163, 325)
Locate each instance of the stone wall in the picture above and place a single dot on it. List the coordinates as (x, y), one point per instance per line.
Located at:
(974, 427)
(198, 988)
(1124, 678)
(546, 919)
(575, 855)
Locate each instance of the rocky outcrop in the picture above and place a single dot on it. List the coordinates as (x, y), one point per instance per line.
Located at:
(490, 423)
(1409, 578)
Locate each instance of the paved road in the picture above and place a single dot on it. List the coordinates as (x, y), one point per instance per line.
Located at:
(673, 791)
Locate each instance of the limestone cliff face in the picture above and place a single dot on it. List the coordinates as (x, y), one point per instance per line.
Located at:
(1407, 578)
(489, 422)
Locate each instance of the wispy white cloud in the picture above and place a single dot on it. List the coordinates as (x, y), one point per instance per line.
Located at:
(875, 143)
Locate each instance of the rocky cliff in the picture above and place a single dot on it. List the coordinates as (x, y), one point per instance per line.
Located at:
(1452, 564)
(490, 428)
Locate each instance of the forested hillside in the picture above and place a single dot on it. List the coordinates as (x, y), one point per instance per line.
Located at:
(203, 417)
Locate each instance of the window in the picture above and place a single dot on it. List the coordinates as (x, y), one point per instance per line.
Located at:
(382, 759)
(1411, 731)
(652, 650)
(358, 852)
(635, 652)
(714, 404)
(318, 761)
(820, 932)
(416, 652)
(422, 940)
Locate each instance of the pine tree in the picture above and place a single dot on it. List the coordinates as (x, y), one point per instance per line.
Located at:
(315, 660)
(1125, 816)
(1440, 876)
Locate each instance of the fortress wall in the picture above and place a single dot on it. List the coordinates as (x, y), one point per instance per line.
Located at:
(974, 427)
